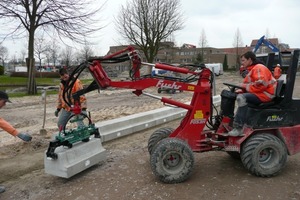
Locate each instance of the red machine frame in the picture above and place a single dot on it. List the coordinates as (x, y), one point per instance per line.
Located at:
(264, 145)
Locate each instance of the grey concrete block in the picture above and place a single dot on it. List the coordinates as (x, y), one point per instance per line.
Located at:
(112, 129)
(115, 128)
(76, 159)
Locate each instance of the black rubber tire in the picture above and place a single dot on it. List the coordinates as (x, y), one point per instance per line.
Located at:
(172, 161)
(159, 90)
(234, 154)
(264, 155)
(157, 136)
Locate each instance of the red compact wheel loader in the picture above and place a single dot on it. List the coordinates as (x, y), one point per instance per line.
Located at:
(272, 130)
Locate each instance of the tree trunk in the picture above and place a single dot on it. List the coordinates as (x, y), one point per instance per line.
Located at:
(31, 86)
(237, 65)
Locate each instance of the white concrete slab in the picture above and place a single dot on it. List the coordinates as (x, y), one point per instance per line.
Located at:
(76, 159)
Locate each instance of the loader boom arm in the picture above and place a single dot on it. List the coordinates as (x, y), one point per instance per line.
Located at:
(199, 111)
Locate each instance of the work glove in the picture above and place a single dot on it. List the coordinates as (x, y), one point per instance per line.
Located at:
(24, 136)
(2, 189)
(56, 112)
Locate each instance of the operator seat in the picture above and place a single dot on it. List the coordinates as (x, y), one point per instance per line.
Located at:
(259, 116)
(279, 93)
(283, 111)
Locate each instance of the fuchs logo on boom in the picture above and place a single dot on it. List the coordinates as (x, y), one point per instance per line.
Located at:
(274, 118)
(161, 84)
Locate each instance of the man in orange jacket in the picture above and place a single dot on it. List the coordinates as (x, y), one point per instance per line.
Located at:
(9, 128)
(259, 86)
(62, 105)
(277, 72)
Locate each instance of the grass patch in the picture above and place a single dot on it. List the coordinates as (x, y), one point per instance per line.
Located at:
(7, 82)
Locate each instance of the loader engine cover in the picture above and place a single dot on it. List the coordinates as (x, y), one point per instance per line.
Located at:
(228, 103)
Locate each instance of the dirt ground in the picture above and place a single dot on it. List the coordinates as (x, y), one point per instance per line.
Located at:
(126, 173)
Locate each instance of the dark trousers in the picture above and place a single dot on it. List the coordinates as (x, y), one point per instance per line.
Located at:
(240, 116)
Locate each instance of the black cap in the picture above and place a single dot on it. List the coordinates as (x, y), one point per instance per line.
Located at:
(4, 96)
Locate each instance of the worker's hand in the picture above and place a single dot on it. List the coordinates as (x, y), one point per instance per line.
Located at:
(24, 136)
(259, 82)
(239, 91)
(56, 112)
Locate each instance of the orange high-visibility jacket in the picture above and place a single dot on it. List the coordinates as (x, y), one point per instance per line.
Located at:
(277, 72)
(260, 82)
(60, 101)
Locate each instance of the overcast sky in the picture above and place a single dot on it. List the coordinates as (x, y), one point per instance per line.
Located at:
(220, 21)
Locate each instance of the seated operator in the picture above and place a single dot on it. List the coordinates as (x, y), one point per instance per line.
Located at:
(260, 86)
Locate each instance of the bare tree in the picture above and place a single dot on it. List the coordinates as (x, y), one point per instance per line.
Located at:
(67, 56)
(237, 42)
(48, 54)
(202, 43)
(3, 54)
(267, 35)
(74, 19)
(54, 52)
(146, 23)
(87, 50)
(39, 49)
(23, 55)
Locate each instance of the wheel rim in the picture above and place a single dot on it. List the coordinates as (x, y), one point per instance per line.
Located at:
(172, 162)
(267, 155)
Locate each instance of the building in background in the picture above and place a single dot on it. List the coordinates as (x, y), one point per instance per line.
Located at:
(188, 54)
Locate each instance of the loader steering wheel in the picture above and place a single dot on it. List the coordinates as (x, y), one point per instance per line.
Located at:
(234, 87)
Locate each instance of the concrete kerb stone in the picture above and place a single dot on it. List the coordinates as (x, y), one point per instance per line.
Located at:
(115, 128)
(74, 160)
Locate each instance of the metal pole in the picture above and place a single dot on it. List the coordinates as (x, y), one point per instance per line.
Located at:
(45, 102)
(44, 95)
